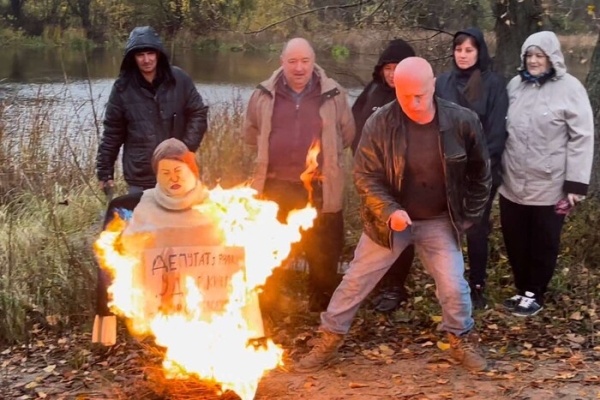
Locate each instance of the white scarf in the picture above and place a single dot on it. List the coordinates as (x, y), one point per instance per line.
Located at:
(195, 196)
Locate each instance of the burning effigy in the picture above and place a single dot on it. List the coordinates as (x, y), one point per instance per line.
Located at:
(186, 269)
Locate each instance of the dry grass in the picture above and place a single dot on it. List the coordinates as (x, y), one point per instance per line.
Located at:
(50, 212)
(51, 207)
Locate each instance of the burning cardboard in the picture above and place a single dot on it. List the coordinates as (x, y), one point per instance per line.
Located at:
(194, 289)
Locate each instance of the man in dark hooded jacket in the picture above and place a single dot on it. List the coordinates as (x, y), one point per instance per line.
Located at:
(151, 101)
(375, 95)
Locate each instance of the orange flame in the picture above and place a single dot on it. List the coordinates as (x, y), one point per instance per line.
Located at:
(217, 348)
(310, 173)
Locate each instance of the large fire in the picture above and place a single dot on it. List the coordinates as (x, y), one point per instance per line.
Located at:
(219, 348)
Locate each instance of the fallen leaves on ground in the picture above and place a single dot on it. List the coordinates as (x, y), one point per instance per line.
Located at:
(558, 347)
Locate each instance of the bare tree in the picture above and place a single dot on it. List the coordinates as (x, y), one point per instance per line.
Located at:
(515, 21)
(593, 86)
(16, 10)
(81, 8)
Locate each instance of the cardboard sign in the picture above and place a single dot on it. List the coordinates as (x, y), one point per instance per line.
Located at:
(210, 267)
(197, 252)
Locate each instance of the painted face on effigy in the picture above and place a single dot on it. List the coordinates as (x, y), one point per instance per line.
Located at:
(175, 178)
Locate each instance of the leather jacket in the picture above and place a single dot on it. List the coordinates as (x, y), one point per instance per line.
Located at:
(380, 159)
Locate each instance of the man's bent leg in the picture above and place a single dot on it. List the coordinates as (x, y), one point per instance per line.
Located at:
(370, 263)
(393, 283)
(438, 248)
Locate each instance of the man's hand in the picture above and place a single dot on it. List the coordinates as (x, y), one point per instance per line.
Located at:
(107, 186)
(399, 220)
(574, 198)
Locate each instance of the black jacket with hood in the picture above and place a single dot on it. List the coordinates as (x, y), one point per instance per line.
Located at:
(140, 115)
(380, 159)
(377, 93)
(492, 104)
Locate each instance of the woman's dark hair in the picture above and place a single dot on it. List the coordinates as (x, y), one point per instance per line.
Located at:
(463, 37)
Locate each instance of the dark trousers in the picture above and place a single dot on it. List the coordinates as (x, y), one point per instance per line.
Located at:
(532, 240)
(125, 202)
(477, 252)
(477, 244)
(322, 244)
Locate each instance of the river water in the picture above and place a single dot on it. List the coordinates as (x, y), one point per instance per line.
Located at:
(73, 86)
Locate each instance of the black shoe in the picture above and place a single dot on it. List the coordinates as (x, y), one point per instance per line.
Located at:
(391, 299)
(478, 297)
(528, 306)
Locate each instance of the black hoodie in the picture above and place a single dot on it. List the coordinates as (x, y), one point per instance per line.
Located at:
(144, 38)
(140, 115)
(492, 104)
(377, 93)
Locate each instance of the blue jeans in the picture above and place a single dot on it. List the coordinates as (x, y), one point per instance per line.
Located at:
(438, 248)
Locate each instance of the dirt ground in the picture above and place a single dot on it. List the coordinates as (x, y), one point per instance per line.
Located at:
(381, 359)
(428, 376)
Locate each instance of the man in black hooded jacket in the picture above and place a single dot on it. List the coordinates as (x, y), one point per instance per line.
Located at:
(151, 101)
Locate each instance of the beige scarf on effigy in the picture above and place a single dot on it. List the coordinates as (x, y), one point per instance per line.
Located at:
(195, 196)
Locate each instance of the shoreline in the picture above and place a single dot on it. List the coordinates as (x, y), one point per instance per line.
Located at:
(343, 42)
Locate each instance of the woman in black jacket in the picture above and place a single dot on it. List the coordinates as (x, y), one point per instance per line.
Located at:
(377, 93)
(473, 85)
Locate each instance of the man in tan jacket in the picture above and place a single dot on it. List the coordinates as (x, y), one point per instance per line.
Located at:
(293, 109)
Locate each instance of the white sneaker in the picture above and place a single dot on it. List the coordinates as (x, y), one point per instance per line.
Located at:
(528, 306)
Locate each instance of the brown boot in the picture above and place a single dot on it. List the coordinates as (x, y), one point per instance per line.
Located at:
(466, 350)
(325, 350)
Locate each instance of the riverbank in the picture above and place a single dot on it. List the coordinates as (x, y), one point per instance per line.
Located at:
(50, 211)
(339, 43)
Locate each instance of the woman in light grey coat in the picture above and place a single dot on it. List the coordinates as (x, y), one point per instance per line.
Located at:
(546, 166)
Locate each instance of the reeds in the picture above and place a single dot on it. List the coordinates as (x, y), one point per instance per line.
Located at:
(51, 206)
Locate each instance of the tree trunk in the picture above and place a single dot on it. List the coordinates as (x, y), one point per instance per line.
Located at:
(515, 21)
(84, 13)
(593, 86)
(16, 10)
(81, 8)
(470, 11)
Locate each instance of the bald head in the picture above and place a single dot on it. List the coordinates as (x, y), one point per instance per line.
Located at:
(297, 44)
(298, 62)
(415, 85)
(413, 69)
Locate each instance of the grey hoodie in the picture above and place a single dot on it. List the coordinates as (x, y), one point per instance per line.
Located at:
(549, 150)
